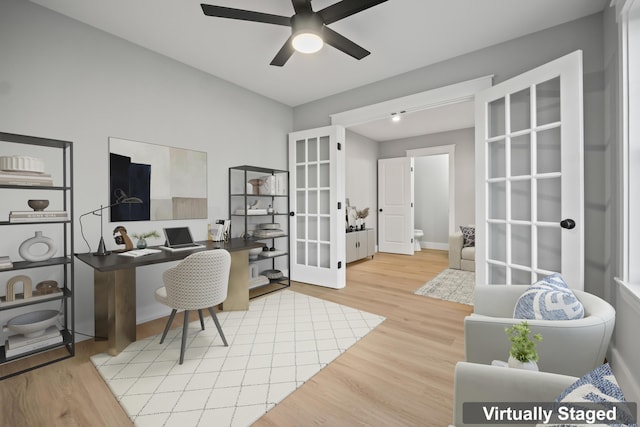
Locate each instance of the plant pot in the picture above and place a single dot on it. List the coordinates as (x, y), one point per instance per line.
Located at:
(530, 365)
(142, 243)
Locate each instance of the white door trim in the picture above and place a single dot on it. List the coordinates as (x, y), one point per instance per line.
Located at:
(449, 149)
(445, 95)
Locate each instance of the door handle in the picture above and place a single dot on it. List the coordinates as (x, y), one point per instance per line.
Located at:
(380, 209)
(568, 224)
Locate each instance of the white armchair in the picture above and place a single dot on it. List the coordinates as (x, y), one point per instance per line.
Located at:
(461, 258)
(569, 347)
(482, 383)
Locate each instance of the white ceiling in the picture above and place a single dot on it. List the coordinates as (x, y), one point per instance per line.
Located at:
(402, 35)
(423, 122)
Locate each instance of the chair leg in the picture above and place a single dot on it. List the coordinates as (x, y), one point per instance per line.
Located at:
(166, 328)
(201, 319)
(185, 329)
(215, 320)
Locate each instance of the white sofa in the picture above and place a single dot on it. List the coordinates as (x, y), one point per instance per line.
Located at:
(569, 347)
(461, 258)
(483, 383)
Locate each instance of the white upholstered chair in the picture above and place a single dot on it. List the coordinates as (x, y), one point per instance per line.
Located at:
(474, 382)
(568, 347)
(199, 281)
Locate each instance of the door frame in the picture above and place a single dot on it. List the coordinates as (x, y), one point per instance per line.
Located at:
(450, 150)
(452, 94)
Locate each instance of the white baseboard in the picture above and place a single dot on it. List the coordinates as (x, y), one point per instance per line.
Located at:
(434, 245)
(627, 379)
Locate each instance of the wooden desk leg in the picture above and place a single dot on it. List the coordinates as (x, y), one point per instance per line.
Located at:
(238, 293)
(115, 307)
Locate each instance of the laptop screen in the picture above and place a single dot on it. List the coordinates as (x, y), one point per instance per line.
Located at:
(178, 236)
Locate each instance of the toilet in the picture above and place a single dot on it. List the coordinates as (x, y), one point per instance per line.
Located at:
(417, 235)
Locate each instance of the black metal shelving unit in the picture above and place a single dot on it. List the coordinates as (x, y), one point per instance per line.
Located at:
(243, 224)
(9, 366)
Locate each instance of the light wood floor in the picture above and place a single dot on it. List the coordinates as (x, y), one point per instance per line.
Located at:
(400, 374)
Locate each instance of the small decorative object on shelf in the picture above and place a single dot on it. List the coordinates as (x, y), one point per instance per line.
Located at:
(142, 242)
(33, 324)
(25, 248)
(5, 263)
(38, 204)
(46, 287)
(523, 354)
(26, 287)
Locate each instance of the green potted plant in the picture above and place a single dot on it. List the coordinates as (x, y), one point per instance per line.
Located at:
(142, 242)
(523, 354)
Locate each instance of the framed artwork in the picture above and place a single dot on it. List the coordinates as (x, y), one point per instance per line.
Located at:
(170, 181)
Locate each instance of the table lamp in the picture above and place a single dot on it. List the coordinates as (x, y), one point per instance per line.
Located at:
(102, 250)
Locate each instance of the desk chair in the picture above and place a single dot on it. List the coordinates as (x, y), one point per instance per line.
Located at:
(198, 281)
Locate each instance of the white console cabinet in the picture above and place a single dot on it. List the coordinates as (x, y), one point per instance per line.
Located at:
(360, 244)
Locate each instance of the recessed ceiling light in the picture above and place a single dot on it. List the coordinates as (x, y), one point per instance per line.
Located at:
(395, 117)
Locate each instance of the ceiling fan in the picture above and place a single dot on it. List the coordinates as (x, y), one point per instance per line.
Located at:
(308, 28)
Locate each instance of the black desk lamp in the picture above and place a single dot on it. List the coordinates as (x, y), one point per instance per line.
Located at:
(102, 250)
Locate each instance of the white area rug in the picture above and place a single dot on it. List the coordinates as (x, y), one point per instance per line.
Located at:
(279, 343)
(451, 285)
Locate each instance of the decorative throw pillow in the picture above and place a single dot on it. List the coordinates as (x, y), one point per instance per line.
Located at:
(549, 299)
(599, 385)
(468, 236)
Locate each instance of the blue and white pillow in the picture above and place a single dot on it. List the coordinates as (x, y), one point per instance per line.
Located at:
(549, 299)
(599, 385)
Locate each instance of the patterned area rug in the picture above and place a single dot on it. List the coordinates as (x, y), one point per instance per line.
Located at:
(279, 343)
(451, 285)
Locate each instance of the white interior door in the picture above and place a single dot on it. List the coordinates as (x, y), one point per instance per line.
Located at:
(395, 205)
(316, 168)
(529, 183)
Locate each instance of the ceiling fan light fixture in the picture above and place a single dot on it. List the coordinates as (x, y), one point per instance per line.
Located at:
(307, 42)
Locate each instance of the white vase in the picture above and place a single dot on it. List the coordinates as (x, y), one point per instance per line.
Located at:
(529, 365)
(25, 248)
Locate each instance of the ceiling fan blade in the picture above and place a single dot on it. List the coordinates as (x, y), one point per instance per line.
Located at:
(283, 54)
(245, 15)
(345, 8)
(302, 6)
(344, 44)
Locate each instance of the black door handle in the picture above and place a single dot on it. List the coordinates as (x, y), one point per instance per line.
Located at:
(380, 209)
(568, 224)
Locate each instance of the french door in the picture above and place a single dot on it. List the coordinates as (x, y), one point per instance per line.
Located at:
(316, 167)
(529, 183)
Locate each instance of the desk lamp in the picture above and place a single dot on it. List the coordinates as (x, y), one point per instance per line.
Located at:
(102, 250)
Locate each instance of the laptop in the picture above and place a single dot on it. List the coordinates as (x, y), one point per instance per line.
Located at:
(179, 239)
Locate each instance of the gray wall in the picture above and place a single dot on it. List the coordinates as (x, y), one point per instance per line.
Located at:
(63, 79)
(624, 349)
(361, 175)
(506, 60)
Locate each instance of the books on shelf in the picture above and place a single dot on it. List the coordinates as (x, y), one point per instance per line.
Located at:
(5, 263)
(25, 178)
(19, 340)
(16, 345)
(31, 216)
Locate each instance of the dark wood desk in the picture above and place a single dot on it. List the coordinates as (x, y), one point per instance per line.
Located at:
(114, 284)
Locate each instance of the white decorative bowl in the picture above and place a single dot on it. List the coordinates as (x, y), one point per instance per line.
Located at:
(21, 163)
(33, 324)
(254, 252)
